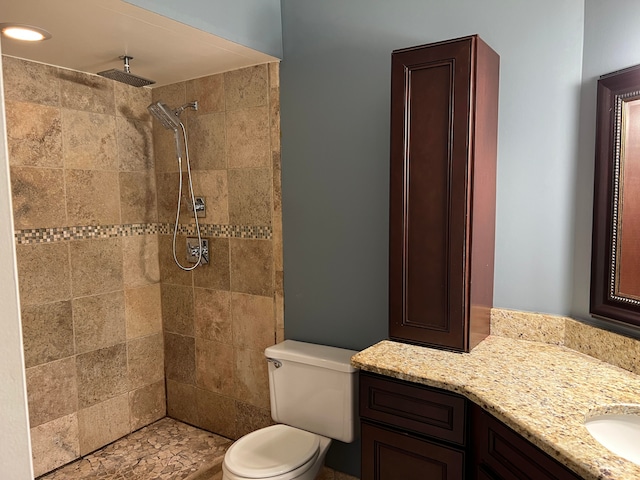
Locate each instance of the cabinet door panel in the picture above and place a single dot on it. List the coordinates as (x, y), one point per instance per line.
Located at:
(511, 456)
(389, 455)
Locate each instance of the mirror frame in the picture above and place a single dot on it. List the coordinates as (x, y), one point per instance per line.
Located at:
(613, 89)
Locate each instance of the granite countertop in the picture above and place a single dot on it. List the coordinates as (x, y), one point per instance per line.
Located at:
(541, 391)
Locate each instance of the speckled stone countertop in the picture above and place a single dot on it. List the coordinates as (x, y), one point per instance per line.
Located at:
(541, 391)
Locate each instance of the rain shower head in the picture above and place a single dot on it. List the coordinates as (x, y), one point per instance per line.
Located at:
(167, 117)
(125, 76)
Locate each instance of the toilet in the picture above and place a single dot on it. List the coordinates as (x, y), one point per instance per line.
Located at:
(313, 393)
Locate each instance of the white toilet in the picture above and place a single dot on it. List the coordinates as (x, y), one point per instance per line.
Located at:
(313, 396)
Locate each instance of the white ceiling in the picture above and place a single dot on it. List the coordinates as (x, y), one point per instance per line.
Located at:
(90, 35)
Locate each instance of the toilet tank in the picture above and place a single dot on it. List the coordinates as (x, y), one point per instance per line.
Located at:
(314, 388)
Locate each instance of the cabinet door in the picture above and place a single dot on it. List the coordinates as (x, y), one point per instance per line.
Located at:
(390, 455)
(432, 192)
(509, 456)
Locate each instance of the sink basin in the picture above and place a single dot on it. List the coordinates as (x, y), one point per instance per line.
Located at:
(617, 427)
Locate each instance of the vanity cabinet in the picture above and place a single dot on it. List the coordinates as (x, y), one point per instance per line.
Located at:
(410, 431)
(414, 432)
(444, 111)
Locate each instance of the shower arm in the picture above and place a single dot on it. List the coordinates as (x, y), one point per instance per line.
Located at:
(179, 110)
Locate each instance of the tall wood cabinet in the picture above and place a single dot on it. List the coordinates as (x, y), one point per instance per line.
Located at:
(444, 111)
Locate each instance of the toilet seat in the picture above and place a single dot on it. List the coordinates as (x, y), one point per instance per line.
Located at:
(272, 451)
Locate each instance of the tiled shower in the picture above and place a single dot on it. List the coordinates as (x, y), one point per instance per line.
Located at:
(115, 335)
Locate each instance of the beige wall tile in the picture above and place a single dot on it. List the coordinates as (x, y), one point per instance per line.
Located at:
(214, 366)
(27, 81)
(96, 266)
(138, 197)
(135, 144)
(132, 102)
(250, 418)
(251, 377)
(47, 332)
(180, 358)
(212, 184)
(253, 321)
(143, 311)
(169, 271)
(246, 87)
(279, 300)
(34, 135)
(248, 138)
(164, 149)
(81, 91)
(103, 423)
(250, 196)
(145, 360)
(208, 91)
(102, 374)
(92, 197)
(252, 266)
(38, 197)
(168, 186)
(276, 222)
(173, 95)
(99, 321)
(140, 260)
(177, 309)
(44, 274)
(274, 105)
(182, 402)
(216, 274)
(206, 135)
(89, 140)
(216, 413)
(147, 404)
(212, 315)
(55, 443)
(52, 391)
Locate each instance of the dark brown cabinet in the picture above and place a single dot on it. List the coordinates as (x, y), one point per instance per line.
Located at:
(444, 110)
(500, 453)
(411, 431)
(414, 432)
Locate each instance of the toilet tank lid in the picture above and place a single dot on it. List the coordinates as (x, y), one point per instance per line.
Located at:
(312, 354)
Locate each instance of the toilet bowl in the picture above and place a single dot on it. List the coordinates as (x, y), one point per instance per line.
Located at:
(313, 396)
(278, 452)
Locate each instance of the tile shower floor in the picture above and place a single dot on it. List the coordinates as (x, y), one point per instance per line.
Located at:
(166, 449)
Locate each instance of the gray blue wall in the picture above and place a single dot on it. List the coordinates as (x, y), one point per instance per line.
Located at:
(253, 23)
(335, 144)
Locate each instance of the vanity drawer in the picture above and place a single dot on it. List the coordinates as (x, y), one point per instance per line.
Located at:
(413, 407)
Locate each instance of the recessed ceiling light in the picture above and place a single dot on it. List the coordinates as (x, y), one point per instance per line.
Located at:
(27, 33)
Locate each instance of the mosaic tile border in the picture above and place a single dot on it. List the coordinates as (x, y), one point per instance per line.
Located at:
(62, 234)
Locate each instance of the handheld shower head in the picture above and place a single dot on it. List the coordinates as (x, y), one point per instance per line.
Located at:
(165, 115)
